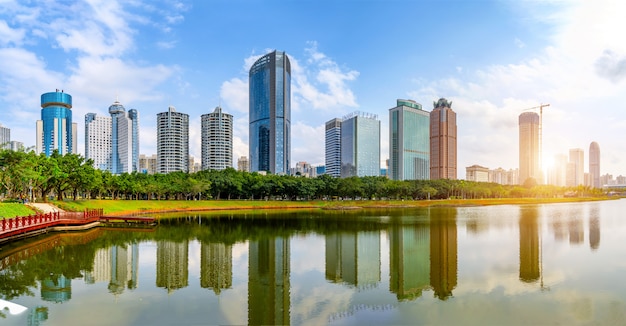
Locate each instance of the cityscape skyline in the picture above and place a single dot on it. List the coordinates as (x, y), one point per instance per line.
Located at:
(521, 55)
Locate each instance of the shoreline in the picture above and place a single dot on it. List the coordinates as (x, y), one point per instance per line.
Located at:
(143, 207)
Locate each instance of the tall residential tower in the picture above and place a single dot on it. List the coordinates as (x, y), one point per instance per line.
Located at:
(270, 114)
(409, 149)
(172, 141)
(217, 140)
(55, 130)
(443, 143)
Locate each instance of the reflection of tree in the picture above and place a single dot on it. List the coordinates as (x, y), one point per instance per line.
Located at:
(528, 245)
(443, 252)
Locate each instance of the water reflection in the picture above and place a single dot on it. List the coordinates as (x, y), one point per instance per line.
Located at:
(443, 253)
(268, 282)
(172, 261)
(255, 266)
(529, 247)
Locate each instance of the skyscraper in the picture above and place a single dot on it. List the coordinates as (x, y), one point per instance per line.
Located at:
(529, 147)
(409, 149)
(576, 173)
(98, 140)
(55, 130)
(172, 141)
(5, 137)
(443, 142)
(270, 113)
(594, 164)
(217, 140)
(333, 147)
(124, 139)
(360, 145)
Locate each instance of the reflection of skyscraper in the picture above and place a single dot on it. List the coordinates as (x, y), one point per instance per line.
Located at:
(124, 262)
(443, 252)
(216, 266)
(529, 155)
(268, 282)
(409, 264)
(172, 261)
(270, 113)
(529, 270)
(594, 229)
(353, 258)
(56, 288)
(576, 230)
(37, 316)
(443, 144)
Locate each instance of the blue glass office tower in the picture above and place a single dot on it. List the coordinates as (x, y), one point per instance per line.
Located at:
(270, 114)
(55, 130)
(124, 139)
(360, 145)
(409, 141)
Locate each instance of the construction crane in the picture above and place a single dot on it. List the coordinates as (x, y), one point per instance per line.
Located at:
(540, 107)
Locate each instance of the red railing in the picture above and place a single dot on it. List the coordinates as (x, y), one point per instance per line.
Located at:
(23, 224)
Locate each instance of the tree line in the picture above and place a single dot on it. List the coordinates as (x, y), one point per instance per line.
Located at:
(26, 175)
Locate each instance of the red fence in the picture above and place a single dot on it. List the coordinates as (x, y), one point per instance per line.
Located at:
(23, 224)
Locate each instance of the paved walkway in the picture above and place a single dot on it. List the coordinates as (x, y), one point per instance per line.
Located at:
(45, 207)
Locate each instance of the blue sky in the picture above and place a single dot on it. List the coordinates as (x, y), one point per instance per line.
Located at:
(492, 59)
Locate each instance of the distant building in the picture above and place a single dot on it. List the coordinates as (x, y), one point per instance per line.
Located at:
(243, 164)
(320, 170)
(333, 147)
(594, 164)
(270, 113)
(5, 137)
(409, 141)
(16, 145)
(477, 173)
(360, 145)
(217, 140)
(148, 164)
(529, 150)
(576, 173)
(304, 169)
(193, 165)
(55, 130)
(172, 141)
(557, 175)
(443, 141)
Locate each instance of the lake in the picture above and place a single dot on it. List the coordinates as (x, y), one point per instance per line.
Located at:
(495, 265)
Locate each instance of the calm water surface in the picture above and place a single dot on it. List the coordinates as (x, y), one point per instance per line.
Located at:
(531, 264)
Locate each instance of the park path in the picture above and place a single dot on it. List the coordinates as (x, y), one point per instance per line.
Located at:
(45, 208)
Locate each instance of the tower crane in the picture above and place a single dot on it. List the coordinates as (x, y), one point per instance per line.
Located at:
(540, 107)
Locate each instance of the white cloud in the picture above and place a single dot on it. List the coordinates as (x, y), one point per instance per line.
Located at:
(9, 35)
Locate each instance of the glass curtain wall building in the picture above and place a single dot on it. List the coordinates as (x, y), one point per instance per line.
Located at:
(409, 136)
(529, 147)
(270, 114)
(217, 140)
(360, 145)
(55, 130)
(172, 141)
(594, 164)
(333, 147)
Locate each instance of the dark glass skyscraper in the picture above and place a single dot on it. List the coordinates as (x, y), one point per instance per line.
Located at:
(270, 113)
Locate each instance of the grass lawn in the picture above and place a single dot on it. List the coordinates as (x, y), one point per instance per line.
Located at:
(121, 207)
(8, 210)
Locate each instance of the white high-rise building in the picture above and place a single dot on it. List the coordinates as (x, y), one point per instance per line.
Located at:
(98, 140)
(5, 137)
(333, 147)
(217, 140)
(576, 173)
(594, 164)
(172, 141)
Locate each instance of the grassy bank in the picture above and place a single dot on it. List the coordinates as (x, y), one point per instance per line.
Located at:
(122, 207)
(8, 210)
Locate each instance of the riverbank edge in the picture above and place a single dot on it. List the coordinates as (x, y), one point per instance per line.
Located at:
(239, 206)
